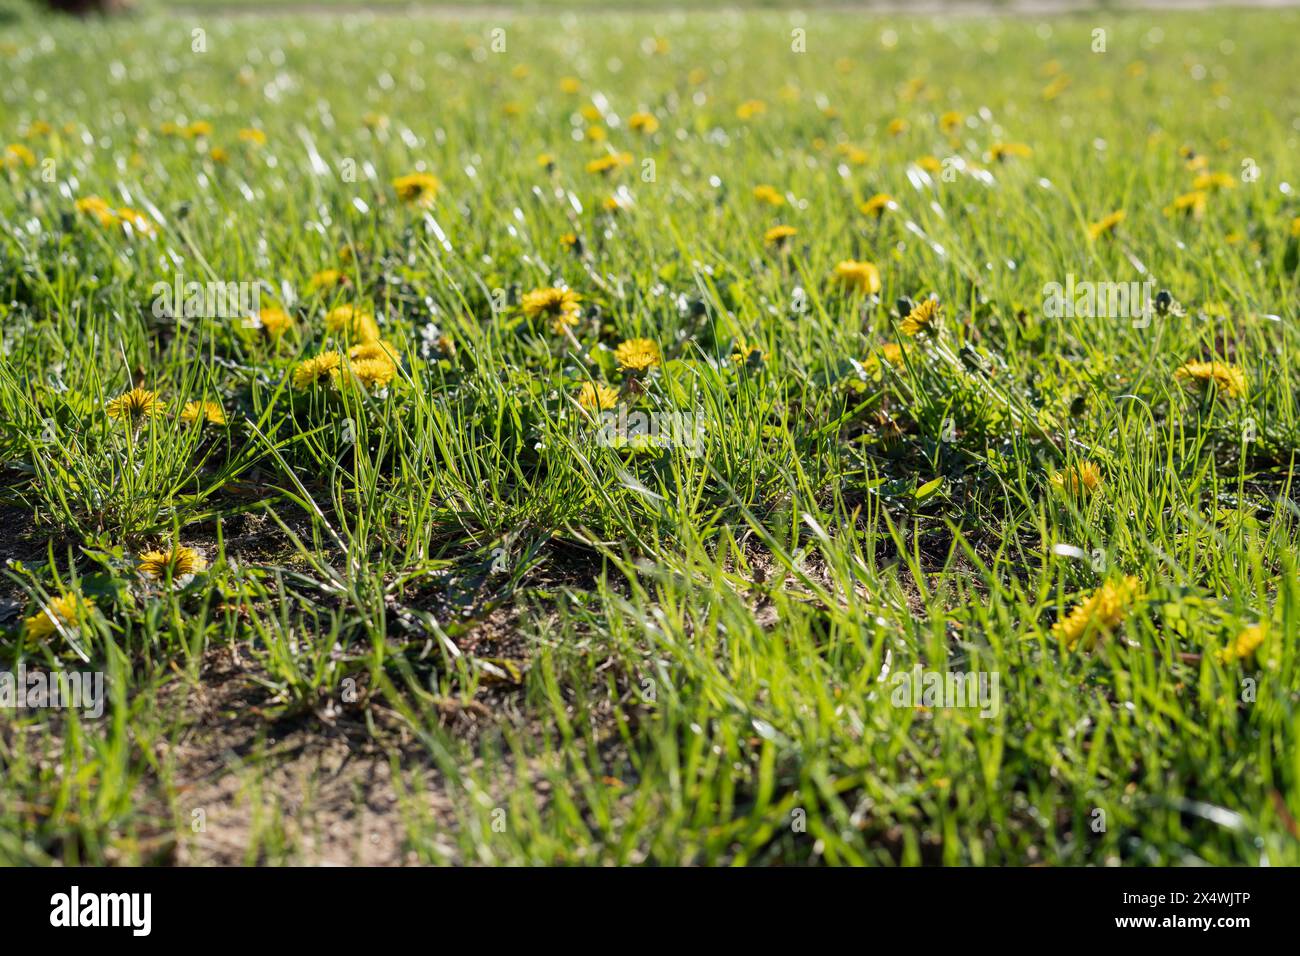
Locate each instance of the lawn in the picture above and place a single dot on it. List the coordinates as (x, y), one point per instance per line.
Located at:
(651, 438)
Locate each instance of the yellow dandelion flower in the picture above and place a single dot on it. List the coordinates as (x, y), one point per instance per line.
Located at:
(211, 412)
(274, 322)
(137, 404)
(178, 560)
(858, 276)
(373, 372)
(1295, 227)
(950, 120)
(251, 136)
(1081, 479)
(769, 195)
(1002, 151)
(751, 108)
(220, 155)
(67, 610)
(1227, 380)
(570, 84)
(17, 154)
(352, 321)
(97, 209)
(637, 355)
(561, 307)
(896, 127)
(1192, 204)
(319, 368)
(376, 350)
(748, 354)
(922, 319)
(778, 235)
(1213, 181)
(546, 161)
(595, 397)
(138, 222)
(197, 130)
(878, 204)
(1105, 225)
(326, 279)
(609, 163)
(374, 121)
(643, 123)
(1098, 615)
(930, 164)
(417, 189)
(1244, 645)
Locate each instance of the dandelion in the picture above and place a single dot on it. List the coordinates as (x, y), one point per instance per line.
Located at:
(604, 165)
(349, 320)
(768, 195)
(751, 108)
(922, 318)
(417, 189)
(274, 322)
(643, 123)
(377, 350)
(896, 127)
(178, 561)
(1244, 645)
(637, 355)
(561, 307)
(1106, 225)
(374, 121)
(211, 412)
(595, 397)
(135, 405)
(859, 276)
(1081, 479)
(251, 136)
(326, 279)
(1192, 204)
(1214, 181)
(877, 205)
(1227, 380)
(1099, 615)
(930, 164)
(373, 372)
(570, 85)
(1295, 227)
(67, 611)
(748, 355)
(319, 368)
(18, 154)
(220, 155)
(97, 209)
(138, 222)
(546, 161)
(778, 235)
(201, 129)
(1001, 151)
(596, 134)
(949, 121)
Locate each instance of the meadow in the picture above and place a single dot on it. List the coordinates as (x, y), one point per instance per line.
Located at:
(611, 439)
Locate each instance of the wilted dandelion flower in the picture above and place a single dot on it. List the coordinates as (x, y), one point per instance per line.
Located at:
(860, 276)
(1081, 479)
(596, 397)
(178, 560)
(922, 318)
(751, 108)
(561, 307)
(768, 195)
(877, 205)
(1099, 615)
(349, 320)
(417, 189)
(211, 412)
(643, 123)
(135, 405)
(67, 610)
(1106, 225)
(1002, 151)
(319, 368)
(637, 355)
(778, 235)
(1227, 380)
(1244, 645)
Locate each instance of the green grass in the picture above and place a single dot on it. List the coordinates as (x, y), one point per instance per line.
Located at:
(558, 650)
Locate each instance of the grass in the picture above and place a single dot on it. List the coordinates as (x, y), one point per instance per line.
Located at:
(441, 621)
